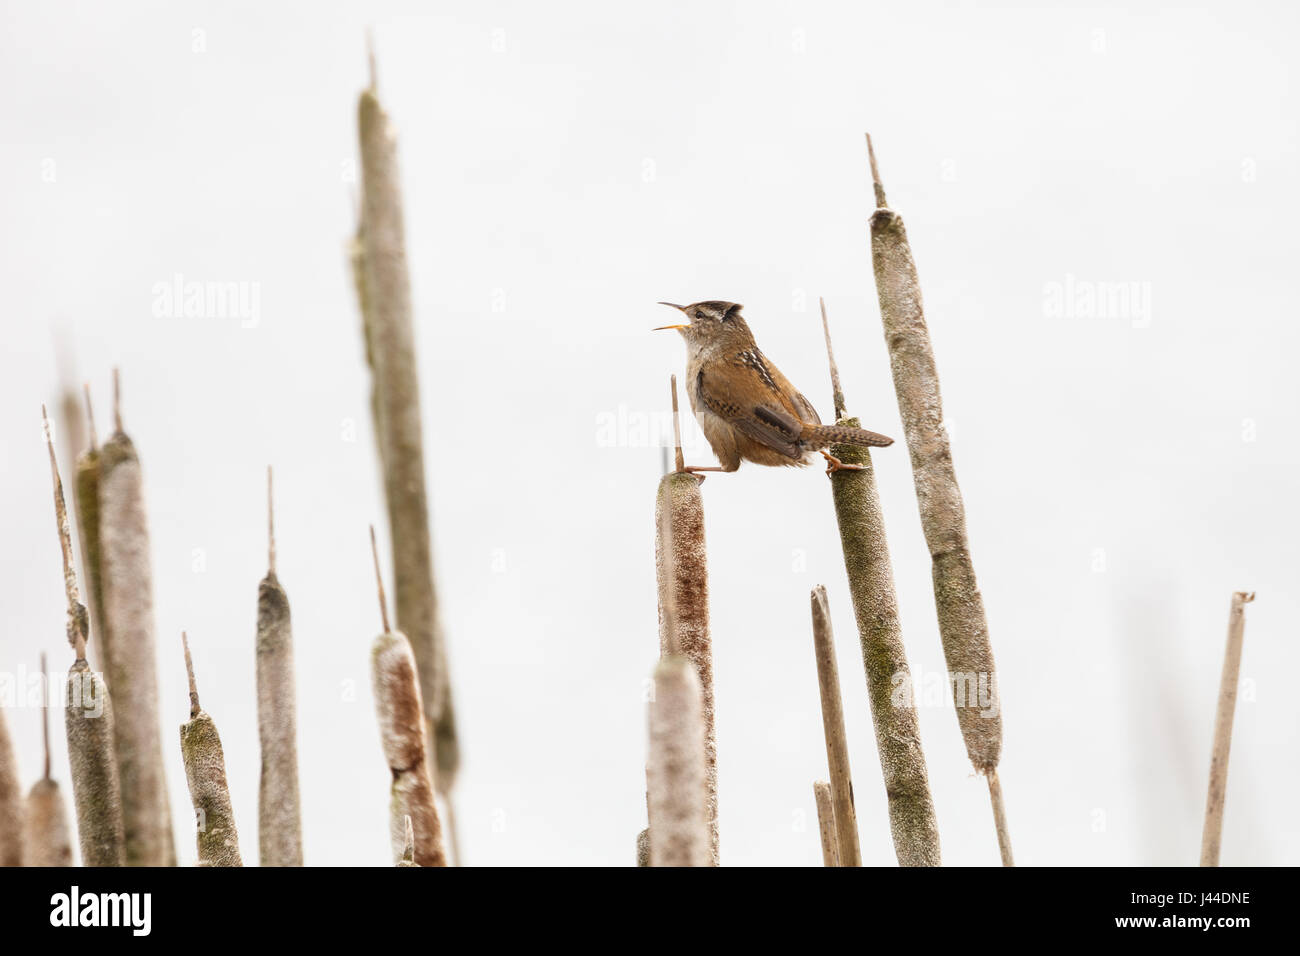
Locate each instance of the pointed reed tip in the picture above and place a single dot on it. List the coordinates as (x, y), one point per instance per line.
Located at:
(90, 417)
(49, 435)
(679, 459)
(370, 60)
(875, 174)
(117, 401)
(76, 625)
(45, 716)
(837, 392)
(821, 607)
(189, 673)
(270, 524)
(379, 581)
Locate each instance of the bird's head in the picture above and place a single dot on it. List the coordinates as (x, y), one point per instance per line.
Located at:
(711, 324)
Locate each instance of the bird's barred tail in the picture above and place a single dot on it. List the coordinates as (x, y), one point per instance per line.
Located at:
(842, 434)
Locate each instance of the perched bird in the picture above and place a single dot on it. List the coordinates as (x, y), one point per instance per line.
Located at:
(746, 408)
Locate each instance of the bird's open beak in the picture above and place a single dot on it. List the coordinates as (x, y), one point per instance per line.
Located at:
(679, 308)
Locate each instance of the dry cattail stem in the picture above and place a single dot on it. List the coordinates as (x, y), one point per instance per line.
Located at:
(71, 419)
(837, 393)
(826, 823)
(1212, 835)
(678, 458)
(675, 772)
(86, 501)
(205, 772)
(384, 293)
(279, 816)
(127, 645)
(1000, 817)
(682, 574)
(681, 805)
(962, 625)
(837, 746)
(45, 825)
(402, 733)
(88, 720)
(875, 606)
(11, 802)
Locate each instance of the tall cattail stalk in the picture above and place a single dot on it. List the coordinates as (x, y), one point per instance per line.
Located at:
(45, 825)
(875, 606)
(1212, 834)
(205, 772)
(127, 642)
(11, 802)
(279, 810)
(384, 295)
(837, 747)
(675, 772)
(402, 730)
(683, 581)
(87, 719)
(826, 823)
(85, 496)
(962, 625)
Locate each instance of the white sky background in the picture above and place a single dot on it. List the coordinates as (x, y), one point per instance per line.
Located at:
(1023, 146)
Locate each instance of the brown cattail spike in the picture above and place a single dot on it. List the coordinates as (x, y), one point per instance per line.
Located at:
(189, 671)
(379, 580)
(672, 642)
(963, 625)
(681, 574)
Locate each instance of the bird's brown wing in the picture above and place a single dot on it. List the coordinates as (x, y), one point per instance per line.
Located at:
(781, 394)
(760, 421)
(806, 411)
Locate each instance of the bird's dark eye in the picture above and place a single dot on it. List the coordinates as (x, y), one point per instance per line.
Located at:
(699, 314)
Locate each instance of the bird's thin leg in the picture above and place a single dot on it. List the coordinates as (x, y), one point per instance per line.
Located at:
(695, 469)
(833, 464)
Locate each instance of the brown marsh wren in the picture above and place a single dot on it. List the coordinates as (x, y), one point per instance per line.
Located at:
(746, 408)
